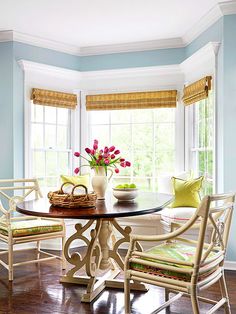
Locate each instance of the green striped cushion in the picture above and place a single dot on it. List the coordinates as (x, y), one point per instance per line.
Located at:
(31, 227)
(176, 251)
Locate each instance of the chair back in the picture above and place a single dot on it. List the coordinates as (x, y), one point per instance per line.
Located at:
(13, 191)
(215, 211)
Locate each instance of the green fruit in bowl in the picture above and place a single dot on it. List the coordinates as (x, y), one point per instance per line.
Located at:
(126, 186)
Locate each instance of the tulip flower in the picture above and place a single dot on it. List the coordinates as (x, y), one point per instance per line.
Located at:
(123, 164)
(122, 159)
(111, 149)
(95, 146)
(107, 161)
(105, 149)
(128, 164)
(117, 170)
(76, 171)
(95, 142)
(113, 156)
(76, 154)
(88, 150)
(92, 152)
(117, 152)
(101, 151)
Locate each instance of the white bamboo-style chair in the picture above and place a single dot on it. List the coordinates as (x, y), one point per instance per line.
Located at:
(184, 266)
(18, 229)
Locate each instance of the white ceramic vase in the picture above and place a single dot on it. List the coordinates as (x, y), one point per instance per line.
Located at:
(100, 181)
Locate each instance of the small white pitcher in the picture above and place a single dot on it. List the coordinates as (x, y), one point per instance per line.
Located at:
(100, 181)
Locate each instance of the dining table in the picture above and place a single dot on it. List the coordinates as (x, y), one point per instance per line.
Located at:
(102, 236)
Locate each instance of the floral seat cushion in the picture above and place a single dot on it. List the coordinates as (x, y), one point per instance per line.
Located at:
(32, 227)
(176, 251)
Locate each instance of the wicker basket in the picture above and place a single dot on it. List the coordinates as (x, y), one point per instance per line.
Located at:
(62, 199)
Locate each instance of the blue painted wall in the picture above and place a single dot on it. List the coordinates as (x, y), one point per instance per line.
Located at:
(133, 59)
(6, 110)
(229, 117)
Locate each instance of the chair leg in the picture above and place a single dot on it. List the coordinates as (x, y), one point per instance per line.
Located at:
(166, 294)
(194, 300)
(127, 295)
(224, 293)
(10, 260)
(63, 253)
(38, 249)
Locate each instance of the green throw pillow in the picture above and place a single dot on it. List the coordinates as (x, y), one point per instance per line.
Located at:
(83, 179)
(186, 192)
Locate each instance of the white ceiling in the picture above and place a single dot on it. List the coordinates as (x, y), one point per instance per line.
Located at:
(102, 22)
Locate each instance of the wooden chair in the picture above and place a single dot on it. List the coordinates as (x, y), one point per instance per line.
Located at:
(18, 229)
(185, 266)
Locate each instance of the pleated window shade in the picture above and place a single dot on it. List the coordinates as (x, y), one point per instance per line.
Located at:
(197, 91)
(53, 98)
(136, 100)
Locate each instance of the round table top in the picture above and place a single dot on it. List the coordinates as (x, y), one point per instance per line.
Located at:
(145, 203)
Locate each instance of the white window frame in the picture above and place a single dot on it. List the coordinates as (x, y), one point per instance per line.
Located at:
(189, 139)
(48, 77)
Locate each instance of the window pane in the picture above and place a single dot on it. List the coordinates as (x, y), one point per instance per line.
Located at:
(121, 136)
(63, 116)
(50, 114)
(52, 182)
(38, 113)
(99, 117)
(164, 115)
(50, 136)
(143, 137)
(39, 164)
(51, 163)
(165, 162)
(101, 133)
(120, 116)
(142, 116)
(63, 163)
(164, 136)
(62, 137)
(37, 135)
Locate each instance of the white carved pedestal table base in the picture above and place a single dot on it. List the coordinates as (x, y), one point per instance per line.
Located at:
(101, 255)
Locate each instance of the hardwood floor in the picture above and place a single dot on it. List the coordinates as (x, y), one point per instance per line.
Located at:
(36, 290)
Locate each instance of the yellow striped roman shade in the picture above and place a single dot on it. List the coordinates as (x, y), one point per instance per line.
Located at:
(197, 91)
(136, 100)
(54, 99)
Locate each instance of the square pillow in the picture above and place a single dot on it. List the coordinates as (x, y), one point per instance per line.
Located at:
(165, 181)
(186, 192)
(83, 179)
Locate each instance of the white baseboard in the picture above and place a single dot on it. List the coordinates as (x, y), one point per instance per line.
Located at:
(230, 265)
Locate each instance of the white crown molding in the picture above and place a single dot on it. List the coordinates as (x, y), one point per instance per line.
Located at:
(132, 47)
(220, 9)
(6, 36)
(49, 70)
(200, 63)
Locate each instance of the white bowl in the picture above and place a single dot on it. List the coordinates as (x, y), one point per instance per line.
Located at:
(125, 195)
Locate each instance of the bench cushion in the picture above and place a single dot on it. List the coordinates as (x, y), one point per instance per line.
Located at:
(32, 227)
(177, 215)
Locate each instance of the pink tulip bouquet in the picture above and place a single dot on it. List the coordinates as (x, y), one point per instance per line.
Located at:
(106, 157)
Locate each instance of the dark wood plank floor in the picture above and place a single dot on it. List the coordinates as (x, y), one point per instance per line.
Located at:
(36, 290)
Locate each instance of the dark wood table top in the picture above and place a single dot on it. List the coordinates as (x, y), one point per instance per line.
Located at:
(145, 203)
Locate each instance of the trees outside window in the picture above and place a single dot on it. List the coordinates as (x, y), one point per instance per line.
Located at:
(146, 137)
(202, 156)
